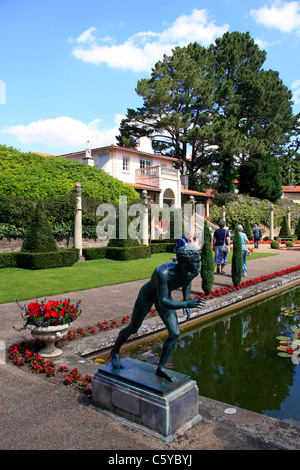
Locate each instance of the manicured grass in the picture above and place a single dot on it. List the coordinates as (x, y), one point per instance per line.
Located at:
(22, 284)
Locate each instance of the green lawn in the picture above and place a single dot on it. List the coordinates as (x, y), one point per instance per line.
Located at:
(22, 284)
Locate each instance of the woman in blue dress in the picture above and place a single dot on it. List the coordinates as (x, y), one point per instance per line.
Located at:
(220, 237)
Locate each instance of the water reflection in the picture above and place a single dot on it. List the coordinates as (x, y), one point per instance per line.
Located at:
(234, 359)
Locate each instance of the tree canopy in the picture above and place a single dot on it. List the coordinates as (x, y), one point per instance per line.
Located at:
(214, 109)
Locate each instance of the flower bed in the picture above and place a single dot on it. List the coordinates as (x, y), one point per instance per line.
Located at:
(26, 353)
(249, 282)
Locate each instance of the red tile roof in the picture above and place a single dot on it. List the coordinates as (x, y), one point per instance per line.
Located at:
(191, 192)
(291, 189)
(124, 149)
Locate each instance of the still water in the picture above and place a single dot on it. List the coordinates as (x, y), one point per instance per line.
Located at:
(235, 359)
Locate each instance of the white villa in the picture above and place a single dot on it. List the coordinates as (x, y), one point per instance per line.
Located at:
(145, 170)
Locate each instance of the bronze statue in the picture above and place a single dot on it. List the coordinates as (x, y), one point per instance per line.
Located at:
(165, 279)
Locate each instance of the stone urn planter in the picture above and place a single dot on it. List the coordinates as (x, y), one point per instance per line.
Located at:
(49, 335)
(49, 322)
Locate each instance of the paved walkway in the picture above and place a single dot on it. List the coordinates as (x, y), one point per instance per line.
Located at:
(37, 413)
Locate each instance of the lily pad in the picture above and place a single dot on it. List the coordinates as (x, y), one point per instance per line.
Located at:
(284, 354)
(283, 338)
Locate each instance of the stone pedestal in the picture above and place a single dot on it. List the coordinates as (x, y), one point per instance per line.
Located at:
(139, 398)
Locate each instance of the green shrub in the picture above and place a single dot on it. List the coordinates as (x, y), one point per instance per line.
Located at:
(275, 244)
(39, 237)
(162, 247)
(47, 260)
(237, 258)
(8, 260)
(94, 253)
(207, 262)
(128, 253)
(34, 177)
(284, 229)
(248, 229)
(297, 229)
(241, 206)
(289, 243)
(10, 231)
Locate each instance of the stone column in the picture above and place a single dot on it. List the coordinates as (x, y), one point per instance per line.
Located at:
(224, 214)
(78, 221)
(144, 219)
(271, 222)
(192, 217)
(2, 353)
(207, 208)
(289, 217)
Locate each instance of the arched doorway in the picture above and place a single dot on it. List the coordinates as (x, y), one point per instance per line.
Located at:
(168, 197)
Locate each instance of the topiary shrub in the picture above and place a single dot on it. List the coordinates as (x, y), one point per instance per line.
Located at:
(128, 253)
(289, 244)
(207, 262)
(47, 260)
(237, 258)
(284, 229)
(94, 253)
(275, 245)
(39, 237)
(8, 260)
(162, 247)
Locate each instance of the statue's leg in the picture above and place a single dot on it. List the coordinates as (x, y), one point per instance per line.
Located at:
(170, 319)
(140, 310)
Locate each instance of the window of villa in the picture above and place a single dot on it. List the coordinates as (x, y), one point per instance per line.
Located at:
(145, 163)
(125, 164)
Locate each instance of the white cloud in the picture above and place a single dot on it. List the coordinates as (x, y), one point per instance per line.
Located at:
(262, 44)
(64, 132)
(142, 50)
(296, 95)
(282, 15)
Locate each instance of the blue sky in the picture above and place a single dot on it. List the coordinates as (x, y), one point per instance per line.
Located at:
(69, 68)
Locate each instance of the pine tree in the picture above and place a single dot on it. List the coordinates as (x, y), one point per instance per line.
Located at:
(237, 258)
(39, 237)
(260, 177)
(207, 263)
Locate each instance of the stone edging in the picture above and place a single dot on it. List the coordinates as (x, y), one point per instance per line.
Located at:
(154, 325)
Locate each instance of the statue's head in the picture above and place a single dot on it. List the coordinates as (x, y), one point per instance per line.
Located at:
(188, 258)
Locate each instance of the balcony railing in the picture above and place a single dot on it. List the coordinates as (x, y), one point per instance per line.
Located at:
(148, 172)
(155, 172)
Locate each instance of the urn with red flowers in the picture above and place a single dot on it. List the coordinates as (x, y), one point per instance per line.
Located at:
(49, 321)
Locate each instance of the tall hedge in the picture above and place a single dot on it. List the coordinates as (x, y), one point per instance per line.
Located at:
(237, 258)
(34, 177)
(207, 263)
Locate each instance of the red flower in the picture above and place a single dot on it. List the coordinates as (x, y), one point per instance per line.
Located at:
(289, 350)
(34, 309)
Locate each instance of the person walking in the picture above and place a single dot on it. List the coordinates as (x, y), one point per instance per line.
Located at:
(221, 237)
(256, 235)
(245, 242)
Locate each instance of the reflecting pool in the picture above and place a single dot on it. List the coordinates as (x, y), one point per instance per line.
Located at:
(235, 359)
